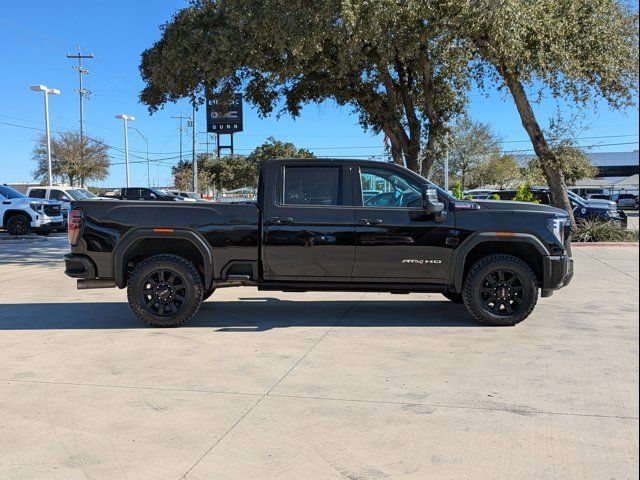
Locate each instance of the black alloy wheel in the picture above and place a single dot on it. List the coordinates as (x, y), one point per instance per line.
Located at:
(500, 290)
(18, 225)
(163, 293)
(165, 290)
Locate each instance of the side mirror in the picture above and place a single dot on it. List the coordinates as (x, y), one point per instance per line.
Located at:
(64, 198)
(430, 202)
(153, 195)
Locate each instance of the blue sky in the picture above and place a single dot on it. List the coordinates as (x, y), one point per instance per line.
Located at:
(35, 37)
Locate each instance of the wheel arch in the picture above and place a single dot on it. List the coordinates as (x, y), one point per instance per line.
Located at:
(143, 243)
(11, 212)
(521, 245)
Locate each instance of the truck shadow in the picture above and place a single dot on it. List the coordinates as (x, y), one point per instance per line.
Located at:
(244, 315)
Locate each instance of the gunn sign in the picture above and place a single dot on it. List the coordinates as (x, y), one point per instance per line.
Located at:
(224, 114)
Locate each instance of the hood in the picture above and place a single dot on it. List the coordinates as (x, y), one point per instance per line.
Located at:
(509, 206)
(27, 201)
(596, 202)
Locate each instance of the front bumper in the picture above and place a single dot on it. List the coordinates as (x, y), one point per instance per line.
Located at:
(44, 222)
(557, 273)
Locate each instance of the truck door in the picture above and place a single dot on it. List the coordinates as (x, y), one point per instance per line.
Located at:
(395, 239)
(308, 222)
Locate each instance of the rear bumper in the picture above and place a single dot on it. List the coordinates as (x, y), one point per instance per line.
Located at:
(79, 266)
(558, 272)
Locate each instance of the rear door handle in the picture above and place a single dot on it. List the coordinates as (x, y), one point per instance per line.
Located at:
(371, 221)
(280, 220)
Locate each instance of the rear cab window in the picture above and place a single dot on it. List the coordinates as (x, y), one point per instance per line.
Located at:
(37, 193)
(312, 185)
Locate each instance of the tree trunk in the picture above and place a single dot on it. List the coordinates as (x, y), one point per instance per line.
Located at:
(548, 161)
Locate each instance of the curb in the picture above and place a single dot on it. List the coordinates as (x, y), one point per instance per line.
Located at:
(604, 244)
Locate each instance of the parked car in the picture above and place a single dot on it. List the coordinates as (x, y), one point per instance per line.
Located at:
(599, 196)
(606, 211)
(187, 196)
(21, 215)
(310, 230)
(626, 200)
(148, 194)
(64, 195)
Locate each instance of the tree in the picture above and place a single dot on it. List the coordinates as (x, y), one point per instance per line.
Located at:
(273, 148)
(183, 174)
(572, 159)
(500, 170)
(576, 50)
(394, 63)
(470, 146)
(73, 160)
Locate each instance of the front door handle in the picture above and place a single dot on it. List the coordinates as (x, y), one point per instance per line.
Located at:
(371, 221)
(280, 220)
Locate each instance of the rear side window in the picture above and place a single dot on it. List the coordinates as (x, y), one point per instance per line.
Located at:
(37, 193)
(312, 186)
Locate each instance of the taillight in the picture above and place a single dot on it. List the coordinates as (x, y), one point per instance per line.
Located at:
(74, 224)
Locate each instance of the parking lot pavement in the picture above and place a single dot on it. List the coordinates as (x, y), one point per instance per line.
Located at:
(632, 219)
(317, 385)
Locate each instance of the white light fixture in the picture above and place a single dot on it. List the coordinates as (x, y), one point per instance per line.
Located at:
(47, 91)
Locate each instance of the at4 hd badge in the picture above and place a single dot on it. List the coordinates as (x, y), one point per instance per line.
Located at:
(422, 261)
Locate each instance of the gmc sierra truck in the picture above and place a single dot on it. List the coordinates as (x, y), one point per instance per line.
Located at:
(324, 225)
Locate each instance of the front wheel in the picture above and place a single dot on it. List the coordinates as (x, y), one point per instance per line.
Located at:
(500, 290)
(18, 224)
(165, 291)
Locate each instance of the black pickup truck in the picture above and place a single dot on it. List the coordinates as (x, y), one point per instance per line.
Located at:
(324, 225)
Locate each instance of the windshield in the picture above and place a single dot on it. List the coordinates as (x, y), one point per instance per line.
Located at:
(9, 193)
(160, 193)
(574, 197)
(87, 193)
(76, 194)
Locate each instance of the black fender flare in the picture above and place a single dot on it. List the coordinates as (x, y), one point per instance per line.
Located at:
(131, 237)
(456, 277)
(15, 211)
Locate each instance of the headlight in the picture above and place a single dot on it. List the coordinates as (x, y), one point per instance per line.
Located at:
(614, 214)
(558, 227)
(36, 207)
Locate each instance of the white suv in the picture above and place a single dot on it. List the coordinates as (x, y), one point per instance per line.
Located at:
(20, 214)
(65, 195)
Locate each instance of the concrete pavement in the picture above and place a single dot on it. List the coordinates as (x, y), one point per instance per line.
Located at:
(314, 385)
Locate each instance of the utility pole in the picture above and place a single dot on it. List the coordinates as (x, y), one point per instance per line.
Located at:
(194, 139)
(181, 117)
(81, 91)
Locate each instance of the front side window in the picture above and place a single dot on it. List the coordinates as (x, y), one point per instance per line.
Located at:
(311, 186)
(386, 188)
(56, 195)
(37, 193)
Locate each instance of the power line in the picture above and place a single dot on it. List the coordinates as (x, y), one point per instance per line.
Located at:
(82, 92)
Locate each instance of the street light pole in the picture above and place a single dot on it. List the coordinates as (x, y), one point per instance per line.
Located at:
(146, 141)
(47, 91)
(194, 139)
(126, 119)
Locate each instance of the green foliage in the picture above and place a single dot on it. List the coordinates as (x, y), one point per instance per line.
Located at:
(600, 231)
(525, 194)
(456, 191)
(495, 196)
(237, 171)
(470, 146)
(394, 63)
(499, 170)
(72, 160)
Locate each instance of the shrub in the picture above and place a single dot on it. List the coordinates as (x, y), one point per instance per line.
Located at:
(495, 196)
(525, 194)
(600, 231)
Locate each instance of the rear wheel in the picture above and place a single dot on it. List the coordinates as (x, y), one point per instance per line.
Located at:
(165, 291)
(500, 290)
(18, 224)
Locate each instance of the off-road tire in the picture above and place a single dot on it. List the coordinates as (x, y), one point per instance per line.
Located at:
(185, 270)
(477, 274)
(454, 297)
(18, 224)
